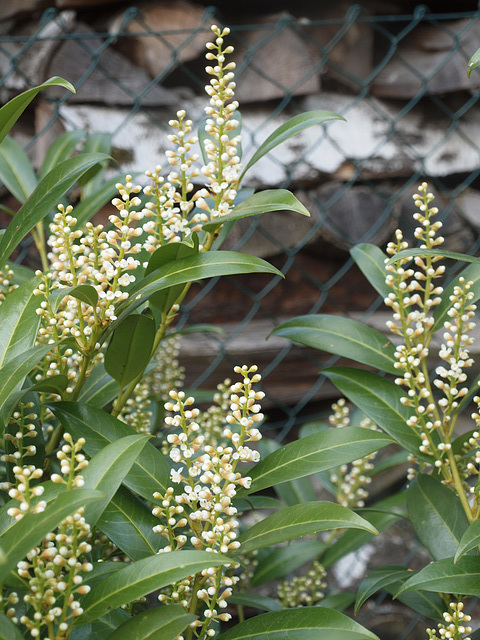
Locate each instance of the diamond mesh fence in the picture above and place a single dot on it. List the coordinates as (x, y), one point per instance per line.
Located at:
(399, 80)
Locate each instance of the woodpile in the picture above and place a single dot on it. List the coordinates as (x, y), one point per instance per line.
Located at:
(406, 98)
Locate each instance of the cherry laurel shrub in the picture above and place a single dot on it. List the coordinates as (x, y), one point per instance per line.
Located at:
(126, 511)
(417, 397)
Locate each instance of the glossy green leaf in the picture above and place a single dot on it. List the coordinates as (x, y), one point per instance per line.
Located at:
(25, 534)
(18, 321)
(128, 523)
(141, 578)
(444, 576)
(250, 503)
(107, 469)
(469, 540)
(300, 520)
(92, 203)
(157, 623)
(11, 111)
(343, 337)
(101, 628)
(8, 630)
(51, 491)
(149, 473)
(426, 604)
(99, 389)
(268, 201)
(354, 539)
(370, 259)
(256, 601)
(295, 491)
(304, 623)
(315, 453)
(292, 127)
(432, 253)
(377, 579)
(474, 62)
(12, 376)
(437, 516)
(85, 293)
(45, 197)
(379, 399)
(198, 267)
(16, 171)
(130, 348)
(338, 601)
(283, 560)
(471, 274)
(61, 148)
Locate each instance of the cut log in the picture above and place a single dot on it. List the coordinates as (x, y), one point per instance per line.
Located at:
(274, 60)
(432, 60)
(104, 76)
(180, 33)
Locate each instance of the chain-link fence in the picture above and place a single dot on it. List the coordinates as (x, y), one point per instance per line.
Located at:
(399, 80)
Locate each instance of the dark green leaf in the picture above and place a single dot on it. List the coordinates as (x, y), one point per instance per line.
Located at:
(267, 201)
(377, 579)
(16, 171)
(99, 389)
(25, 534)
(304, 623)
(85, 293)
(469, 540)
(444, 576)
(149, 473)
(338, 601)
(141, 578)
(130, 348)
(157, 623)
(107, 469)
(129, 523)
(18, 321)
(437, 516)
(11, 111)
(44, 198)
(256, 601)
(300, 520)
(320, 451)
(60, 149)
(370, 259)
(283, 560)
(292, 127)
(250, 503)
(8, 630)
(343, 337)
(100, 629)
(379, 399)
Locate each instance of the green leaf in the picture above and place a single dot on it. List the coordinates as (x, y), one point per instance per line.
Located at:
(107, 469)
(51, 491)
(44, 198)
(99, 389)
(338, 601)
(268, 201)
(292, 127)
(474, 62)
(128, 523)
(102, 628)
(432, 253)
(12, 377)
(11, 111)
(437, 516)
(256, 601)
(343, 337)
(16, 171)
(469, 540)
(92, 180)
(300, 520)
(25, 534)
(18, 321)
(250, 503)
(197, 267)
(141, 578)
(315, 453)
(377, 579)
(149, 473)
(370, 259)
(165, 623)
(281, 561)
(8, 630)
(444, 576)
(379, 399)
(304, 623)
(352, 540)
(471, 274)
(85, 293)
(60, 149)
(130, 348)
(426, 604)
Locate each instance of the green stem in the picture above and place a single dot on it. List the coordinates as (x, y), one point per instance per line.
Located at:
(459, 485)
